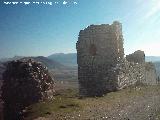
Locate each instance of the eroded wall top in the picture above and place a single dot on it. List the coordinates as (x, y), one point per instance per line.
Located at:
(136, 57)
(102, 42)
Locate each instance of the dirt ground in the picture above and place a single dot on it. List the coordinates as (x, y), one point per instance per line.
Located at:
(139, 103)
(136, 103)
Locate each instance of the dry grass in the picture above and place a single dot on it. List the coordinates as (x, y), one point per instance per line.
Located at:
(67, 101)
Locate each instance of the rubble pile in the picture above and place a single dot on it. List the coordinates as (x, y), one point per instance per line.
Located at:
(25, 82)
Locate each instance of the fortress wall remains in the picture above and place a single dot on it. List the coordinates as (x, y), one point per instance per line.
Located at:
(150, 72)
(131, 73)
(101, 63)
(99, 48)
(136, 57)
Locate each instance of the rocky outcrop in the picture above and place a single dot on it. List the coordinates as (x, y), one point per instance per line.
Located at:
(25, 82)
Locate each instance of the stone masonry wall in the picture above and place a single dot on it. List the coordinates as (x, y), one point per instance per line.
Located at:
(99, 47)
(130, 73)
(100, 43)
(136, 57)
(101, 63)
(151, 75)
(96, 80)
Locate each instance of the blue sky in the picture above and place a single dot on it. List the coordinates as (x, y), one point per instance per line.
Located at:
(32, 30)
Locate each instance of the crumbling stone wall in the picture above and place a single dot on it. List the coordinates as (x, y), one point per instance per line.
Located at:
(101, 63)
(99, 48)
(130, 73)
(25, 82)
(151, 75)
(136, 57)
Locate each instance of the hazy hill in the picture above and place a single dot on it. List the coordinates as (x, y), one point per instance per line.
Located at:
(60, 60)
(157, 65)
(51, 64)
(152, 58)
(10, 59)
(156, 61)
(69, 59)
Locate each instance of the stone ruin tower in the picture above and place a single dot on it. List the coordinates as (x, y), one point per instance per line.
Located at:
(99, 48)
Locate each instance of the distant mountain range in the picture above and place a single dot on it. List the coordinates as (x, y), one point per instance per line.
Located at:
(50, 64)
(69, 59)
(156, 61)
(157, 65)
(10, 59)
(152, 58)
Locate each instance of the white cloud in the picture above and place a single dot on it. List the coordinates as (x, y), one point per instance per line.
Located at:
(14, 3)
(75, 3)
(64, 2)
(26, 3)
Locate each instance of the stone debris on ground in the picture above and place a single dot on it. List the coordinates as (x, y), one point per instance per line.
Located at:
(141, 106)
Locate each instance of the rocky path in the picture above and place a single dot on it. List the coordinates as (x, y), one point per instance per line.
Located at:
(139, 108)
(140, 104)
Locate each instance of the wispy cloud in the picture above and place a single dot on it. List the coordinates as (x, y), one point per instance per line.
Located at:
(155, 8)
